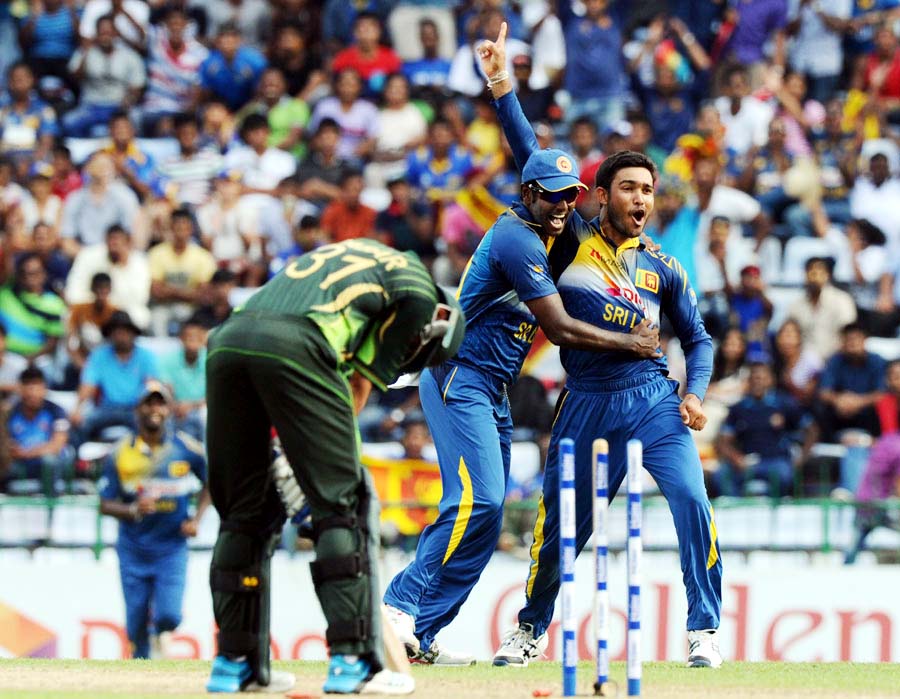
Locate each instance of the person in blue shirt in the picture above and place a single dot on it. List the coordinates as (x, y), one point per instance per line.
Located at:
(439, 168)
(113, 379)
(507, 293)
(850, 386)
(756, 439)
(28, 125)
(232, 70)
(184, 371)
(49, 35)
(605, 274)
(38, 435)
(429, 73)
(147, 484)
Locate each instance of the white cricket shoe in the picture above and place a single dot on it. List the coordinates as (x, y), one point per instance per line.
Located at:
(520, 646)
(436, 655)
(404, 628)
(389, 682)
(704, 649)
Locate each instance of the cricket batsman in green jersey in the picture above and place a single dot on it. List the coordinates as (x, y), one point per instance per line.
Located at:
(299, 356)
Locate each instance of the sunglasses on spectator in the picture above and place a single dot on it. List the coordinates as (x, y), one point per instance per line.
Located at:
(567, 195)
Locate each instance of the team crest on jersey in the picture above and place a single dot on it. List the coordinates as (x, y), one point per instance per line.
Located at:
(179, 469)
(563, 164)
(647, 280)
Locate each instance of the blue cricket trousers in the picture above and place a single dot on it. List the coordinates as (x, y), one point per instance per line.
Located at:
(468, 415)
(152, 583)
(645, 408)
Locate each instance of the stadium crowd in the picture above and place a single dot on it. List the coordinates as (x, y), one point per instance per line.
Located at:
(159, 160)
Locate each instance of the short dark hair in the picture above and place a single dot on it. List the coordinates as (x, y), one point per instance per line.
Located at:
(426, 21)
(308, 222)
(181, 212)
(362, 16)
(328, 123)
(118, 115)
(109, 17)
(100, 278)
(734, 69)
(183, 119)
(193, 321)
(829, 262)
(229, 27)
(116, 228)
(31, 375)
(349, 174)
(252, 122)
(854, 327)
(619, 161)
(223, 276)
(871, 233)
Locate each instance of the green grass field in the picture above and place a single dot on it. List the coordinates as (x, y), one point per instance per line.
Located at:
(71, 679)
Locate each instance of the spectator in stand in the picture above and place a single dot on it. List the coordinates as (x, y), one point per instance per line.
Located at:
(888, 406)
(111, 76)
(797, 367)
(126, 267)
(133, 166)
(591, 41)
(180, 269)
(872, 285)
(49, 35)
(746, 119)
(357, 118)
(465, 75)
(11, 366)
(307, 236)
(882, 74)
(84, 325)
(66, 178)
(880, 481)
(874, 198)
(673, 225)
(43, 207)
(301, 66)
(115, 377)
(757, 23)
(130, 18)
(438, 169)
(406, 223)
(218, 128)
(322, 169)
(173, 72)
(535, 103)
(263, 167)
(429, 73)
(27, 123)
(755, 441)
(232, 70)
(548, 45)
(583, 145)
(89, 212)
(751, 310)
(188, 176)
(728, 382)
(184, 370)
(39, 434)
(251, 17)
(45, 244)
(764, 173)
(371, 61)
(641, 139)
(147, 484)
(851, 385)
(229, 225)
(347, 217)
(31, 315)
(288, 116)
(824, 309)
(816, 47)
(218, 308)
(198, 21)
(338, 17)
(401, 129)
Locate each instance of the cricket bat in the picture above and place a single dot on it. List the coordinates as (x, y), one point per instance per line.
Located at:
(394, 651)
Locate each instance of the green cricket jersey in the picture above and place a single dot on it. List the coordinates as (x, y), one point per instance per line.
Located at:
(368, 300)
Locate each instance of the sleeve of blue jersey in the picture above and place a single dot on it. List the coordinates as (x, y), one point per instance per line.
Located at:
(517, 128)
(110, 486)
(680, 306)
(520, 256)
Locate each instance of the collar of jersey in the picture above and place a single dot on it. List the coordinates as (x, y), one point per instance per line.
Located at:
(519, 210)
(627, 245)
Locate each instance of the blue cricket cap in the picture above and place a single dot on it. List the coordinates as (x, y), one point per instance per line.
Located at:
(552, 169)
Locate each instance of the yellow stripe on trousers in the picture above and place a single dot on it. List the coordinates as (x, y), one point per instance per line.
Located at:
(713, 536)
(536, 546)
(464, 512)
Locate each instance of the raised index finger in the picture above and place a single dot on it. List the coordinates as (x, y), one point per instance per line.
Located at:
(501, 37)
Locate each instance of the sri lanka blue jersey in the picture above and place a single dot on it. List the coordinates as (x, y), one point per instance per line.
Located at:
(615, 288)
(509, 267)
(171, 473)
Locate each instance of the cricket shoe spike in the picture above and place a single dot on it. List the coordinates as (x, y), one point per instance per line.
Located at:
(233, 676)
(436, 655)
(704, 649)
(520, 646)
(350, 674)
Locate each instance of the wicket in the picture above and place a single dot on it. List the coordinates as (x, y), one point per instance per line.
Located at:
(567, 534)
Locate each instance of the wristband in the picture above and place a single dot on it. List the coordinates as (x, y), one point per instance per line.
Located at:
(135, 511)
(498, 78)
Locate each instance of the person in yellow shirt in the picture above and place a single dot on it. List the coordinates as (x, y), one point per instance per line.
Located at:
(180, 271)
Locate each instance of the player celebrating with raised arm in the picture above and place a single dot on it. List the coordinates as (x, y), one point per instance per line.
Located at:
(507, 291)
(604, 273)
(283, 360)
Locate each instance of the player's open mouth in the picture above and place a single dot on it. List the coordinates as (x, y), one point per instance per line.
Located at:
(556, 222)
(638, 217)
